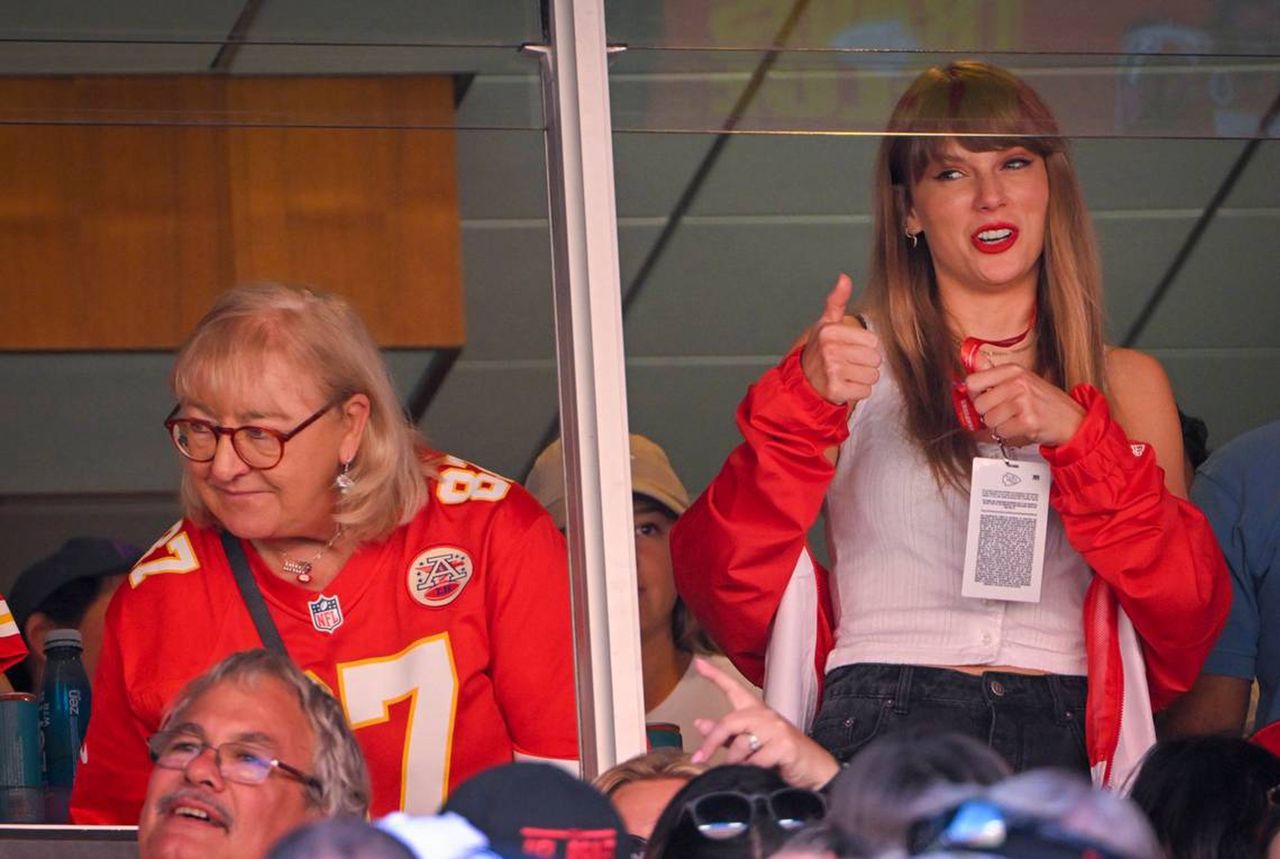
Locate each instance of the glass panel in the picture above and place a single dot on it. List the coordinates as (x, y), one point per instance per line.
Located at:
(320, 22)
(492, 87)
(496, 401)
(1240, 27)
(853, 91)
(476, 43)
(739, 206)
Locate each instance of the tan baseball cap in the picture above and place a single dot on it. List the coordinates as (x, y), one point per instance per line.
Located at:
(651, 476)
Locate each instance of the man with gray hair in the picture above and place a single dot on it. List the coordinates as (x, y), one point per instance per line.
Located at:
(249, 751)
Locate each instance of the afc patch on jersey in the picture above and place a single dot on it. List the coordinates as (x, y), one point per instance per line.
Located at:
(326, 613)
(438, 575)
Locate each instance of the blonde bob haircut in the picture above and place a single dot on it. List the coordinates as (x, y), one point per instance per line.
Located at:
(982, 108)
(322, 341)
(660, 763)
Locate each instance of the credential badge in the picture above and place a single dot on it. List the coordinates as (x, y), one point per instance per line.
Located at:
(326, 613)
(438, 575)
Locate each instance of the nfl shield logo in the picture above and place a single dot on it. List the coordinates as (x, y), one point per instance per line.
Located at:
(326, 614)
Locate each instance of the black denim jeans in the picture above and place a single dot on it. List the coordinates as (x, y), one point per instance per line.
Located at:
(1031, 720)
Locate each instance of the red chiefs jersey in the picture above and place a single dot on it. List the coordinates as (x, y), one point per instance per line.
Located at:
(448, 644)
(12, 648)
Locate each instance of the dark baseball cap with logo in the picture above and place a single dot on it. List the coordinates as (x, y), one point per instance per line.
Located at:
(539, 810)
(78, 558)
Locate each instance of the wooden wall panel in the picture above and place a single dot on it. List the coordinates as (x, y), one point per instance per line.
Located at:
(117, 236)
(345, 208)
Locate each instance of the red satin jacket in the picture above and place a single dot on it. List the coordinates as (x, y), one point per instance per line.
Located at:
(1154, 555)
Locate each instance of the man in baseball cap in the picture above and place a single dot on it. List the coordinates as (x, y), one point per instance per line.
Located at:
(70, 589)
(538, 810)
(674, 693)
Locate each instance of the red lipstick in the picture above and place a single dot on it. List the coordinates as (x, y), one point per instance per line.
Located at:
(994, 238)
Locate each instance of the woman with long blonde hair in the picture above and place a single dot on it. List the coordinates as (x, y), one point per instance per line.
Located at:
(978, 348)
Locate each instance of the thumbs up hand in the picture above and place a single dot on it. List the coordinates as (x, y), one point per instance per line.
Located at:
(841, 359)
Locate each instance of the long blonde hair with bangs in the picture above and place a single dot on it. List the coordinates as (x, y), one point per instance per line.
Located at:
(982, 108)
(319, 337)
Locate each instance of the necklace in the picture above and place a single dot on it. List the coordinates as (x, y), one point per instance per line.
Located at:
(969, 351)
(991, 351)
(302, 569)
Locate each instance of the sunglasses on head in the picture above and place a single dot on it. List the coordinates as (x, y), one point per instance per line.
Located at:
(982, 826)
(728, 814)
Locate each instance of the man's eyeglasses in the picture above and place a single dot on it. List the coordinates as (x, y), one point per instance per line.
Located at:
(259, 447)
(728, 814)
(238, 762)
(982, 826)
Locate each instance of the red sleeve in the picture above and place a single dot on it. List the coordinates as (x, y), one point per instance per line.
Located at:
(531, 631)
(111, 782)
(12, 648)
(1157, 551)
(734, 550)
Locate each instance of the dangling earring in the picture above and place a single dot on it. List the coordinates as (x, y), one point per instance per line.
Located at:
(914, 238)
(344, 481)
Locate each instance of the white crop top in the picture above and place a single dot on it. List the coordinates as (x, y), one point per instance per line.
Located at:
(897, 549)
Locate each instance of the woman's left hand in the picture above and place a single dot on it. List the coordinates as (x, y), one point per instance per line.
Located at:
(1022, 408)
(755, 734)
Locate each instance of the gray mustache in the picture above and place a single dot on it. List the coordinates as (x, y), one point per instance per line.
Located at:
(169, 800)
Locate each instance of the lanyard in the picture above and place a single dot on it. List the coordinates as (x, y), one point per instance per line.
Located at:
(969, 351)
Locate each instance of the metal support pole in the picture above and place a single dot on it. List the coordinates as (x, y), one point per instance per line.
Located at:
(592, 379)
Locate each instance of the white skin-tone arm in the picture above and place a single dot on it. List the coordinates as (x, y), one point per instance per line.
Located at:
(1025, 409)
(841, 358)
(799, 760)
(1142, 401)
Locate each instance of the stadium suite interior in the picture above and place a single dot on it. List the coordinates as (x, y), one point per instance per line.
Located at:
(394, 151)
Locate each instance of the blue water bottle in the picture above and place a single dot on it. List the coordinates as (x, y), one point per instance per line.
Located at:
(64, 718)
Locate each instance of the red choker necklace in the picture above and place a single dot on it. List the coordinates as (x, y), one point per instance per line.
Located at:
(969, 351)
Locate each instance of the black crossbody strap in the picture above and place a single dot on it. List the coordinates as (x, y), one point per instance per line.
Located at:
(252, 595)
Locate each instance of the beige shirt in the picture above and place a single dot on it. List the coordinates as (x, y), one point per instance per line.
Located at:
(696, 697)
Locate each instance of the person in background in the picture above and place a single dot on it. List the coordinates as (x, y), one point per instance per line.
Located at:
(69, 589)
(539, 811)
(447, 835)
(431, 596)
(734, 811)
(341, 838)
(1269, 842)
(674, 692)
(823, 840)
(1238, 489)
(753, 733)
(249, 751)
(640, 788)
(873, 797)
(1208, 796)
(1034, 815)
(12, 648)
(980, 341)
(1195, 441)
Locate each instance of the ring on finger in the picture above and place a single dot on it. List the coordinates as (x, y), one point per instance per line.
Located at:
(753, 743)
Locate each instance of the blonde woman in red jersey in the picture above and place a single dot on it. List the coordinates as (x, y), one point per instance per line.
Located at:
(429, 595)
